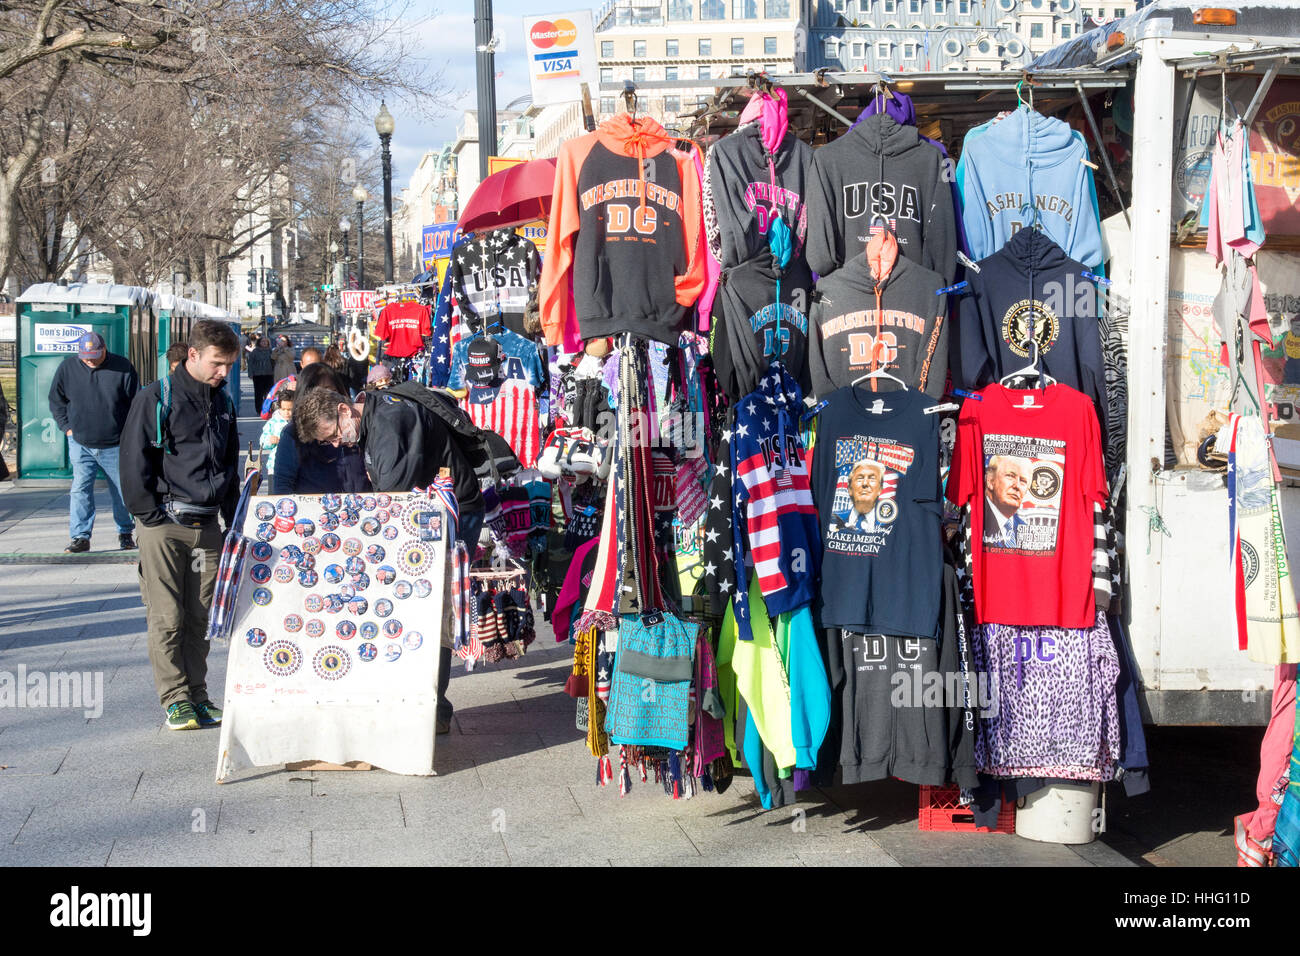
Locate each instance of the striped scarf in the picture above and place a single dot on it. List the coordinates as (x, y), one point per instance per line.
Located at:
(221, 616)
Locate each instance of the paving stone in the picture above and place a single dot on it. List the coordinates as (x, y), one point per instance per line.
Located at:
(274, 847)
(442, 846)
(331, 811)
(972, 849)
(19, 760)
(99, 822)
(197, 788)
(572, 841)
(68, 789)
(13, 814)
(56, 853)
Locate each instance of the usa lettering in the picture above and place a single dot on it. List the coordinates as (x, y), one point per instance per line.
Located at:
(499, 277)
(771, 446)
(882, 199)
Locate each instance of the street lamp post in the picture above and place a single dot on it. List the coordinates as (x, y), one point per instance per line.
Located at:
(345, 227)
(262, 288)
(360, 195)
(384, 126)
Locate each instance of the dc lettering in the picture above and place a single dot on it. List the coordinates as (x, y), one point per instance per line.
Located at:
(769, 346)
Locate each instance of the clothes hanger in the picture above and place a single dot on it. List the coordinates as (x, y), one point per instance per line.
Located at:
(878, 405)
(1032, 370)
(630, 99)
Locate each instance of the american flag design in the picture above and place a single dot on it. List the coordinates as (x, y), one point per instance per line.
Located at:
(512, 415)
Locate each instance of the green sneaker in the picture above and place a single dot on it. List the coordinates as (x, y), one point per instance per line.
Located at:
(181, 716)
(209, 714)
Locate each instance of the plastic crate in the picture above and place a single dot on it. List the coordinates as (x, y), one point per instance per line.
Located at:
(941, 813)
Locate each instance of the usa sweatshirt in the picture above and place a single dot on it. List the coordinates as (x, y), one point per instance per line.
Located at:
(491, 277)
(625, 244)
(743, 193)
(1027, 159)
(882, 307)
(1030, 283)
(880, 168)
(760, 315)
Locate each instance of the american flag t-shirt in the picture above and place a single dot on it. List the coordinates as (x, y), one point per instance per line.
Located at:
(512, 414)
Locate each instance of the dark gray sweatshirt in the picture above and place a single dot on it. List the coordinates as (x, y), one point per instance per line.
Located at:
(909, 338)
(880, 167)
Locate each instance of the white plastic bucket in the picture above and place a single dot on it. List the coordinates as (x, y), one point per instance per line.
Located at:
(1059, 813)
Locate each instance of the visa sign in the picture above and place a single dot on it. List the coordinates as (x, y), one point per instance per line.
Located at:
(561, 51)
(437, 242)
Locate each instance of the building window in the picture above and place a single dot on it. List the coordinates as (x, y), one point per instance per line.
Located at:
(607, 104)
(1065, 31)
(891, 6)
(832, 48)
(670, 48)
(914, 6)
(744, 9)
(1035, 31)
(670, 73)
(713, 9)
(638, 49)
(737, 70)
(706, 46)
(963, 7)
(769, 46)
(857, 51)
(737, 46)
(938, 6)
(769, 69)
(776, 9)
(680, 10)
(985, 47)
(909, 50)
(607, 74)
(702, 102)
(882, 50)
(704, 73)
(607, 49)
(1087, 13)
(839, 6)
(638, 74)
(1118, 12)
(672, 104)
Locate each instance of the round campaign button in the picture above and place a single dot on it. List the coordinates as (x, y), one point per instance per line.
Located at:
(307, 563)
(256, 637)
(331, 663)
(283, 524)
(370, 527)
(266, 531)
(366, 652)
(423, 588)
(331, 502)
(369, 503)
(349, 518)
(313, 603)
(390, 532)
(369, 630)
(352, 546)
(333, 573)
(293, 623)
(311, 545)
(345, 630)
(282, 658)
(355, 565)
(307, 578)
(333, 604)
(347, 592)
(304, 527)
(358, 606)
(329, 542)
(284, 573)
(315, 627)
(261, 551)
(375, 553)
(392, 628)
(396, 509)
(261, 596)
(402, 590)
(261, 573)
(385, 574)
(383, 515)
(265, 511)
(352, 502)
(392, 652)
(286, 507)
(383, 607)
(361, 581)
(383, 500)
(291, 554)
(412, 640)
(329, 521)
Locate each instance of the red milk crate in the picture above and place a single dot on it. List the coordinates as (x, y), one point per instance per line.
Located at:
(940, 812)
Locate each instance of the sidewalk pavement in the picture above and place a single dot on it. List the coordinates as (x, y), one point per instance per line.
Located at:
(514, 784)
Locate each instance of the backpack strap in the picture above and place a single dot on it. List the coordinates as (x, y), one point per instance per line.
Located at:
(162, 415)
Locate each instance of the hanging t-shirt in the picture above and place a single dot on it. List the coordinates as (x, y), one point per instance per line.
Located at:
(519, 360)
(404, 326)
(511, 412)
(876, 484)
(1031, 476)
(491, 277)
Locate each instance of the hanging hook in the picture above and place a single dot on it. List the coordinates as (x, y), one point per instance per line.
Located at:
(630, 98)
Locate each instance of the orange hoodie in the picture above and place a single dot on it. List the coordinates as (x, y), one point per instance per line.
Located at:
(625, 243)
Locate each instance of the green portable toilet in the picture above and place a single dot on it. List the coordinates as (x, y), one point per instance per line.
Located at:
(175, 316)
(51, 318)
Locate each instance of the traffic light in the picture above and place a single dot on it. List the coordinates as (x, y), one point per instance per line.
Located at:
(315, 298)
(252, 282)
(272, 280)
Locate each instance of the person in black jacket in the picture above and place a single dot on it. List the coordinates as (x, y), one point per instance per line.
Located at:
(89, 399)
(177, 480)
(314, 467)
(261, 368)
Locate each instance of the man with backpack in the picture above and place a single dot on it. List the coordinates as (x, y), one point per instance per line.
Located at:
(180, 459)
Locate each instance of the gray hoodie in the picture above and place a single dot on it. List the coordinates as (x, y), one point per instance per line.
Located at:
(880, 167)
(909, 336)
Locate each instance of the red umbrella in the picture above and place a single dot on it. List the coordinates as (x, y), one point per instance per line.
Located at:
(511, 197)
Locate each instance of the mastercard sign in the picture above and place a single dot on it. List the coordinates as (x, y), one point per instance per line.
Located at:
(561, 56)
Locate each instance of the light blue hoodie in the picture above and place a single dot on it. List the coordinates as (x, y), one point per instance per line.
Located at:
(1022, 158)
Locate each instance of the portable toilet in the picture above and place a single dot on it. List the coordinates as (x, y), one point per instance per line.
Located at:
(175, 316)
(51, 318)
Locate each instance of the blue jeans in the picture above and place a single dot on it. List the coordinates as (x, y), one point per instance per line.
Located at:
(86, 463)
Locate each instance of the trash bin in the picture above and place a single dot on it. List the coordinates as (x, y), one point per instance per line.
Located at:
(1060, 813)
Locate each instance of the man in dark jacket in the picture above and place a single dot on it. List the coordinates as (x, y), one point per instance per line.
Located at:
(89, 399)
(178, 479)
(261, 368)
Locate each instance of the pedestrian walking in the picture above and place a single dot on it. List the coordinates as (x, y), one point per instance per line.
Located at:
(181, 443)
(283, 358)
(89, 400)
(261, 368)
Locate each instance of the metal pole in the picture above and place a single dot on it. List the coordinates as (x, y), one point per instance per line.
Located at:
(361, 250)
(262, 286)
(1105, 153)
(388, 208)
(345, 259)
(487, 88)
